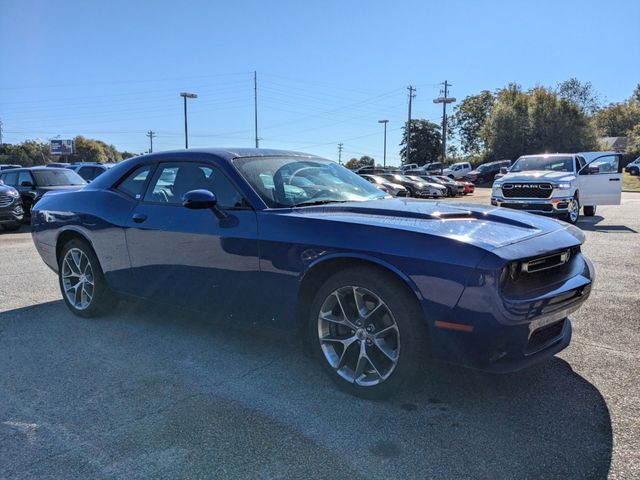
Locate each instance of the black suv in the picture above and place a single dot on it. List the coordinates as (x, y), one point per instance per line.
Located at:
(11, 212)
(486, 172)
(32, 183)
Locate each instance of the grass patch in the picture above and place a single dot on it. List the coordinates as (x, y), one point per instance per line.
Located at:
(629, 183)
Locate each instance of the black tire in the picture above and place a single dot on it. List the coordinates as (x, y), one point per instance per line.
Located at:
(12, 227)
(634, 171)
(589, 210)
(102, 300)
(401, 306)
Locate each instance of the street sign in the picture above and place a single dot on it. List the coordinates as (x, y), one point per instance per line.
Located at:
(62, 147)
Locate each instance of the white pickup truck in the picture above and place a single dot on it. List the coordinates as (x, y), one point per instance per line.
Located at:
(457, 170)
(560, 184)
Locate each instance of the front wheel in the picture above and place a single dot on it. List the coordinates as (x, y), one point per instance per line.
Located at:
(82, 283)
(589, 210)
(573, 211)
(367, 331)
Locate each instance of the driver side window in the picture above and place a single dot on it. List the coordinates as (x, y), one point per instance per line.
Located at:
(172, 180)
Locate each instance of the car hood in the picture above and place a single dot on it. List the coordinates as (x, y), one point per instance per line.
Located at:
(486, 227)
(538, 175)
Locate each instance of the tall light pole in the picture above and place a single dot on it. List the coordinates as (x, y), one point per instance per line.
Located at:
(384, 155)
(444, 100)
(186, 95)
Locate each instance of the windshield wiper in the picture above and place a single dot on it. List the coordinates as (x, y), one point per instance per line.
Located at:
(316, 202)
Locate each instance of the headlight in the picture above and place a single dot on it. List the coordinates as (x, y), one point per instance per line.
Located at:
(563, 186)
(13, 193)
(497, 185)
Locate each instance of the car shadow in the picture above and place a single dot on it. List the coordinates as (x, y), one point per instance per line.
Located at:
(592, 224)
(145, 371)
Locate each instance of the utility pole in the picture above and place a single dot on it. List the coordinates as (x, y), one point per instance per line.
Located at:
(0, 132)
(412, 95)
(384, 155)
(151, 134)
(255, 105)
(340, 154)
(444, 100)
(186, 95)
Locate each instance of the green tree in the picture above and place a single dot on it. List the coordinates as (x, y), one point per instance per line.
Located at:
(582, 94)
(364, 161)
(506, 131)
(617, 119)
(469, 117)
(426, 142)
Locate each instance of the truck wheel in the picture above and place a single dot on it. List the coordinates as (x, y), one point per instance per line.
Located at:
(573, 212)
(589, 210)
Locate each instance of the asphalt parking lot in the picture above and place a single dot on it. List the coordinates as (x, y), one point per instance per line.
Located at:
(151, 393)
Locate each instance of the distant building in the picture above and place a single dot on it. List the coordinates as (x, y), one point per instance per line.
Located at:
(616, 144)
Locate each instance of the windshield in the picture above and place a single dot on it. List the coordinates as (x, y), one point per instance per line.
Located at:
(291, 182)
(543, 162)
(57, 177)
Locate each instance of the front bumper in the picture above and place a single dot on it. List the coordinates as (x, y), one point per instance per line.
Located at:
(506, 334)
(548, 206)
(12, 214)
(432, 194)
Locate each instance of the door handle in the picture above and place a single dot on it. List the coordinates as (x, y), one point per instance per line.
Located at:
(614, 179)
(139, 217)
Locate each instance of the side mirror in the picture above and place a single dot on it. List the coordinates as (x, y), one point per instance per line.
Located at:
(202, 199)
(590, 170)
(26, 183)
(504, 170)
(199, 199)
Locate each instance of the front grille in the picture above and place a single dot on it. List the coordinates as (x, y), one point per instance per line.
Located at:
(545, 335)
(541, 207)
(6, 199)
(403, 193)
(527, 190)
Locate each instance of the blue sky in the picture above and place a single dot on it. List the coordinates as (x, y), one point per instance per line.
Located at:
(327, 71)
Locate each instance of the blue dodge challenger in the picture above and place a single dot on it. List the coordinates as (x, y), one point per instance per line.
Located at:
(376, 285)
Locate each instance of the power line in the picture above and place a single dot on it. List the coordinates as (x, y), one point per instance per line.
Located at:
(444, 100)
(255, 105)
(151, 134)
(412, 95)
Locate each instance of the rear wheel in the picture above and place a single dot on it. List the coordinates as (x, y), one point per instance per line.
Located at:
(367, 331)
(82, 281)
(589, 210)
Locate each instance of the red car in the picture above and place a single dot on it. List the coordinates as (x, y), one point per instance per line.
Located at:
(468, 187)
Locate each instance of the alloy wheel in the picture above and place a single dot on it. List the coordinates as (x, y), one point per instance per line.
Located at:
(574, 209)
(77, 278)
(359, 336)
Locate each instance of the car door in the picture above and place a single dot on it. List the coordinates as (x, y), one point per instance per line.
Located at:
(599, 182)
(191, 257)
(24, 183)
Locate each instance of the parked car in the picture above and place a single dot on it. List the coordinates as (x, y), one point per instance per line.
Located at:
(486, 172)
(451, 189)
(424, 179)
(433, 167)
(458, 186)
(633, 168)
(9, 167)
(457, 170)
(408, 166)
(469, 187)
(378, 286)
(32, 183)
(90, 170)
(393, 189)
(560, 184)
(11, 212)
(370, 170)
(58, 165)
(417, 188)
